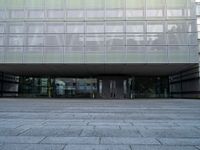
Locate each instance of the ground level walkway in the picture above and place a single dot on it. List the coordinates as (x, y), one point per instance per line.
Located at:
(59, 124)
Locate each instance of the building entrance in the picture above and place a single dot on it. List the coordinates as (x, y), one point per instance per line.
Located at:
(113, 88)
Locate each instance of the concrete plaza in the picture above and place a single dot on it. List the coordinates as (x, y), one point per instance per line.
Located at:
(60, 124)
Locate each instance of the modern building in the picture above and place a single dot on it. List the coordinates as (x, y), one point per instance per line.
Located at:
(97, 48)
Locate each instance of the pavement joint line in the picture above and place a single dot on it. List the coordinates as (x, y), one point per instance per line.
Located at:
(159, 141)
(18, 126)
(99, 140)
(23, 131)
(138, 131)
(197, 147)
(79, 135)
(42, 140)
(65, 145)
(131, 147)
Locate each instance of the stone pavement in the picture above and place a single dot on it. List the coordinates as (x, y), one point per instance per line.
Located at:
(59, 124)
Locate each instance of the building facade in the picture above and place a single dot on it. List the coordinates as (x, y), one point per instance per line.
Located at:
(97, 48)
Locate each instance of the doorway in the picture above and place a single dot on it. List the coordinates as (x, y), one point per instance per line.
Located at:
(113, 88)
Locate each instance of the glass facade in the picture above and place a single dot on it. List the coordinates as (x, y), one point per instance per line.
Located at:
(98, 31)
(58, 87)
(110, 87)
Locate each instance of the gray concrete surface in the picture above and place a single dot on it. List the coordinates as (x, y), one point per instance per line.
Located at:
(59, 124)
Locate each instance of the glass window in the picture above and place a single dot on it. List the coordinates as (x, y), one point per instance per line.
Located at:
(75, 27)
(155, 4)
(94, 4)
(36, 40)
(177, 38)
(115, 9)
(3, 4)
(95, 54)
(75, 14)
(95, 14)
(54, 4)
(75, 4)
(53, 54)
(34, 4)
(176, 26)
(156, 39)
(136, 54)
(114, 14)
(135, 9)
(115, 27)
(94, 40)
(155, 27)
(157, 54)
(1, 55)
(16, 40)
(135, 39)
(194, 57)
(176, 3)
(178, 54)
(3, 14)
(54, 40)
(35, 14)
(15, 4)
(198, 9)
(175, 13)
(176, 8)
(56, 14)
(155, 13)
(33, 54)
(192, 40)
(198, 35)
(74, 55)
(35, 28)
(97, 27)
(155, 8)
(135, 4)
(17, 14)
(115, 39)
(16, 28)
(198, 20)
(13, 54)
(1, 28)
(115, 54)
(74, 40)
(192, 26)
(113, 4)
(55, 28)
(135, 27)
(1, 40)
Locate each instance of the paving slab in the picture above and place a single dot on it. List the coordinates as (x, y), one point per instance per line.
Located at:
(110, 132)
(5, 131)
(72, 140)
(31, 147)
(150, 147)
(180, 141)
(171, 133)
(114, 140)
(97, 147)
(52, 132)
(20, 139)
